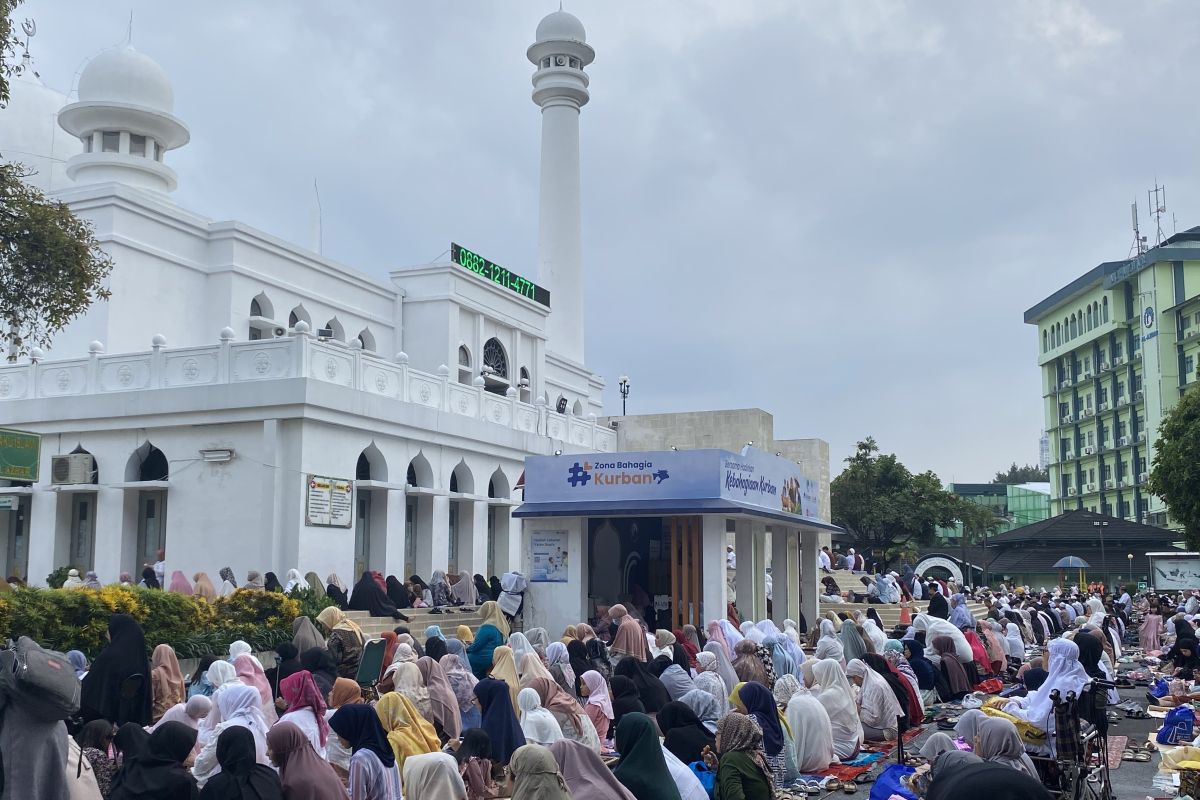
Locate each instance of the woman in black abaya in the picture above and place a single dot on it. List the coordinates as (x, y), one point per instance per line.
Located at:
(123, 657)
(367, 596)
(400, 596)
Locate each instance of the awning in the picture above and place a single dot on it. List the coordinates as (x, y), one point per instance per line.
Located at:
(663, 508)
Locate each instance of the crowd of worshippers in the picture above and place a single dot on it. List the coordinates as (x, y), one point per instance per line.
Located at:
(381, 597)
(616, 708)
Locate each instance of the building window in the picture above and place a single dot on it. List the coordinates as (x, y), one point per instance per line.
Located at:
(1074, 328)
(1089, 318)
(1116, 348)
(367, 340)
(1091, 438)
(524, 386)
(137, 144)
(1045, 339)
(110, 141)
(464, 365)
(495, 358)
(1087, 363)
(1189, 364)
(1104, 310)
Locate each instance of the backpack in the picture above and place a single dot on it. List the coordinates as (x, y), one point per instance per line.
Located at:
(43, 680)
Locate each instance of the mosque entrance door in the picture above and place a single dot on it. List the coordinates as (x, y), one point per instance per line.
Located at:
(410, 537)
(18, 540)
(152, 517)
(83, 531)
(362, 534)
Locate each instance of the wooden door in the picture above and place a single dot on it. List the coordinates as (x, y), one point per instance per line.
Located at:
(686, 571)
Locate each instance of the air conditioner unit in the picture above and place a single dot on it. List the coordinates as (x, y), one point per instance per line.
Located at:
(1089, 451)
(1123, 441)
(1102, 366)
(73, 468)
(1070, 455)
(1065, 384)
(1118, 361)
(1069, 418)
(1138, 395)
(1141, 436)
(1091, 487)
(1122, 400)
(1087, 376)
(1087, 412)
(1192, 334)
(1070, 491)
(1137, 354)
(1142, 477)
(1110, 484)
(1102, 407)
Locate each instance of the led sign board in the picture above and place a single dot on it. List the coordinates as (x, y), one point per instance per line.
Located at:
(498, 274)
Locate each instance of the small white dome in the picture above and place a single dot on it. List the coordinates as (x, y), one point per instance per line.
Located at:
(560, 26)
(123, 75)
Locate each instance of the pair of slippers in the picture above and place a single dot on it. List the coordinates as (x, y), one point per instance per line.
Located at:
(1141, 756)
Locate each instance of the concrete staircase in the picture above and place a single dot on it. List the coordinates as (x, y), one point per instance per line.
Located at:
(421, 618)
(890, 614)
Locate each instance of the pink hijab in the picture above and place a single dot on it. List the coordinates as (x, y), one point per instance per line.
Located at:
(597, 692)
(715, 634)
(179, 583)
(251, 673)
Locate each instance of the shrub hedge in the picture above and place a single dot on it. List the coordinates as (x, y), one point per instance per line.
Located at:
(77, 619)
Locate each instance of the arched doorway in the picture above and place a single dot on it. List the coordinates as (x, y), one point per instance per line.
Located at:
(418, 510)
(370, 519)
(148, 465)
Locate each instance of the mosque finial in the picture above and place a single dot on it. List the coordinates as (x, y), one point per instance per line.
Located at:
(30, 28)
(129, 30)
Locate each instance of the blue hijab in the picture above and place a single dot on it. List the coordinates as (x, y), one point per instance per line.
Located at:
(960, 616)
(358, 724)
(499, 721)
(781, 659)
(760, 704)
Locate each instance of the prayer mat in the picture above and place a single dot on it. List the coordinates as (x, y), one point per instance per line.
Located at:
(859, 766)
(1116, 748)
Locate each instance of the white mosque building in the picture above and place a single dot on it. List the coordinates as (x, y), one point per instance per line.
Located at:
(242, 401)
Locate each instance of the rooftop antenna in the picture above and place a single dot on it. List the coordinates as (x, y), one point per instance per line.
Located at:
(1157, 198)
(319, 233)
(129, 30)
(1139, 241)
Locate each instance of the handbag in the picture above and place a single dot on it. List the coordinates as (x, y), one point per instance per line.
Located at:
(990, 686)
(1160, 688)
(43, 679)
(707, 778)
(890, 782)
(1177, 727)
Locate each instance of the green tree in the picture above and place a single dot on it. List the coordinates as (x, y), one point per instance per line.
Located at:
(885, 506)
(8, 48)
(51, 266)
(1175, 472)
(1025, 474)
(978, 522)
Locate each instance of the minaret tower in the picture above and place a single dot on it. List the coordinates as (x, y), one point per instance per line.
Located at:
(125, 120)
(560, 88)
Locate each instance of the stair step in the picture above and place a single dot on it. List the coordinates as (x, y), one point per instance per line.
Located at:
(419, 620)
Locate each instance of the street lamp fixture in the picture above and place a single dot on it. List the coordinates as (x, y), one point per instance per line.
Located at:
(1101, 525)
(1130, 557)
(623, 385)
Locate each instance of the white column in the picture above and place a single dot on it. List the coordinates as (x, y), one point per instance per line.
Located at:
(439, 545)
(794, 575)
(43, 535)
(743, 549)
(393, 551)
(713, 595)
(511, 555)
(472, 550)
(113, 546)
(781, 575)
(759, 540)
(559, 236)
(809, 545)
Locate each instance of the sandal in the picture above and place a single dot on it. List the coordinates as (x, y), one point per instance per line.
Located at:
(1128, 755)
(849, 787)
(833, 785)
(1141, 757)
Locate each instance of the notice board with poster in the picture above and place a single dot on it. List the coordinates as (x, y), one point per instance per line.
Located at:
(548, 557)
(329, 502)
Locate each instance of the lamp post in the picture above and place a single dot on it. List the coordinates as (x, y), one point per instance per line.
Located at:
(623, 385)
(1129, 556)
(1102, 524)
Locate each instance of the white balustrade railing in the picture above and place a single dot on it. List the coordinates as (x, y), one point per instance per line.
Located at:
(297, 356)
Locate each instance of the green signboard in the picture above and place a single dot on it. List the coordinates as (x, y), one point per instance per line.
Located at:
(19, 453)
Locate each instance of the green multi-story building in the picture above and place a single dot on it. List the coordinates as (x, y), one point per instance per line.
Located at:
(1117, 348)
(1014, 505)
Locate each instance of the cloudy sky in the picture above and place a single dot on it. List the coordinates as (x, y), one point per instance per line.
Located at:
(835, 211)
